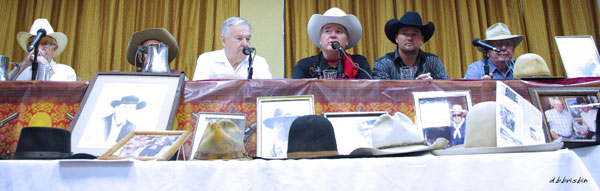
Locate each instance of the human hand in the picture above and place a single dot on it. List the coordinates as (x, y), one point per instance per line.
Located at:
(487, 77)
(426, 76)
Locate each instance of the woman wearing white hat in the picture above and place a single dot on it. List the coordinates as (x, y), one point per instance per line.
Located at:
(50, 46)
(323, 30)
(500, 63)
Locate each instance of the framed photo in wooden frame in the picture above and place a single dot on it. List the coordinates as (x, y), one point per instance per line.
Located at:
(274, 118)
(117, 103)
(352, 129)
(569, 113)
(579, 55)
(147, 145)
(204, 118)
(441, 113)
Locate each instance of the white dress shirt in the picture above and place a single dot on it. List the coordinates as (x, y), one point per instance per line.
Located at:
(214, 65)
(58, 72)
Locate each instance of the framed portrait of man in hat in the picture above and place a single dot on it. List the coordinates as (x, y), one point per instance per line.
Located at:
(274, 118)
(442, 114)
(118, 103)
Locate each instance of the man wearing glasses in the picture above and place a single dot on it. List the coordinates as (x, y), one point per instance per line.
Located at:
(500, 63)
(50, 46)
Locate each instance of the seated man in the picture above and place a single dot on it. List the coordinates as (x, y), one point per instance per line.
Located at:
(147, 37)
(230, 62)
(50, 46)
(409, 34)
(500, 63)
(323, 30)
(561, 122)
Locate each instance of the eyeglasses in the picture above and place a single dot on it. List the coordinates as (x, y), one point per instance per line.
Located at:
(44, 44)
(508, 44)
(456, 115)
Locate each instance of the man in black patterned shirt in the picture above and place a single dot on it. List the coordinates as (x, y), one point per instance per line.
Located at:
(409, 34)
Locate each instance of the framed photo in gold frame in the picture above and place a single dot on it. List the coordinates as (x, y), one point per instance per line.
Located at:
(147, 145)
(274, 118)
(569, 113)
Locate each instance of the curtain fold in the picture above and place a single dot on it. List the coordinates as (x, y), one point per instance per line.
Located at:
(99, 30)
(457, 23)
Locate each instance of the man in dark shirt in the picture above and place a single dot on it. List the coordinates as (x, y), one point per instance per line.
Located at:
(333, 26)
(409, 34)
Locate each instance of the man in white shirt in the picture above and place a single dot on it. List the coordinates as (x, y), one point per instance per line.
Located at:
(588, 117)
(560, 121)
(50, 46)
(230, 62)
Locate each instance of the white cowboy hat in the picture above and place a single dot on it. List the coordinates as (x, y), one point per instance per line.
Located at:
(61, 39)
(337, 16)
(159, 34)
(480, 135)
(499, 31)
(458, 108)
(396, 135)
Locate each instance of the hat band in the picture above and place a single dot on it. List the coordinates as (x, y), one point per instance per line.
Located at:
(41, 155)
(311, 154)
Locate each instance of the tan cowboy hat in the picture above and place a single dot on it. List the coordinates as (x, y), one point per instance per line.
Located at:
(480, 135)
(337, 16)
(395, 135)
(61, 39)
(160, 34)
(499, 31)
(531, 66)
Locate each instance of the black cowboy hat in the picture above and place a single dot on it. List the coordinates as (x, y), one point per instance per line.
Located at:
(311, 136)
(412, 19)
(46, 143)
(129, 100)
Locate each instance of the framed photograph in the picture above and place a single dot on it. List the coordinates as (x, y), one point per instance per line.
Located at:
(442, 114)
(352, 129)
(205, 118)
(147, 145)
(579, 55)
(569, 113)
(117, 103)
(274, 118)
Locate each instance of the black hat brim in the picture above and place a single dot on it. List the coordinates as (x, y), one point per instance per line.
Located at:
(393, 25)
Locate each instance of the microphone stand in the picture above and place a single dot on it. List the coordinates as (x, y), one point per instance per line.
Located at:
(340, 67)
(486, 66)
(34, 63)
(250, 69)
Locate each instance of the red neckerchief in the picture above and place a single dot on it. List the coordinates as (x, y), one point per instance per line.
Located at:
(349, 69)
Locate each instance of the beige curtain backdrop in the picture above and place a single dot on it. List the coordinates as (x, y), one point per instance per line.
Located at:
(457, 23)
(99, 30)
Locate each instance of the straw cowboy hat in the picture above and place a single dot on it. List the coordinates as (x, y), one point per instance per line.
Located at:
(61, 39)
(412, 19)
(221, 140)
(531, 66)
(159, 34)
(337, 16)
(394, 135)
(480, 135)
(311, 136)
(499, 31)
(129, 100)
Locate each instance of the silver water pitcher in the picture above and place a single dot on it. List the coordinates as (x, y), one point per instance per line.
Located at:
(4, 72)
(157, 60)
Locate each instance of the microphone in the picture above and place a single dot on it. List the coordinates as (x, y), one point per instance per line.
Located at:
(336, 45)
(482, 44)
(40, 33)
(248, 50)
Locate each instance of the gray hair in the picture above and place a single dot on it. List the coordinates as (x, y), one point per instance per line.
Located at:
(233, 21)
